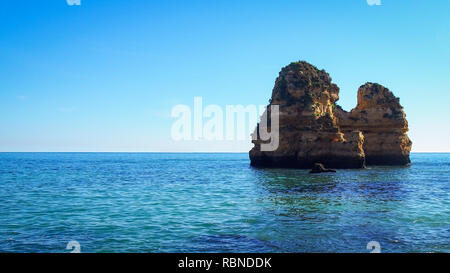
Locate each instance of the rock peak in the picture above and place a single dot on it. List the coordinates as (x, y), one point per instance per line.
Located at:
(303, 83)
(376, 96)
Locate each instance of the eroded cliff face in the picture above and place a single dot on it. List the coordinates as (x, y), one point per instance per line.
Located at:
(308, 129)
(382, 120)
(313, 129)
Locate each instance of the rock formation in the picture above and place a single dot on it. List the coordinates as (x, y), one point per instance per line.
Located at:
(381, 119)
(313, 129)
(320, 168)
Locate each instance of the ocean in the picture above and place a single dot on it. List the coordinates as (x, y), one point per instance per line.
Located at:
(150, 202)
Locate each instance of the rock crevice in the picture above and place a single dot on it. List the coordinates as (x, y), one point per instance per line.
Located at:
(314, 129)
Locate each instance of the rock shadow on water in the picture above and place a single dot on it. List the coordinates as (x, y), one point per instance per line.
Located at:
(292, 180)
(373, 183)
(342, 211)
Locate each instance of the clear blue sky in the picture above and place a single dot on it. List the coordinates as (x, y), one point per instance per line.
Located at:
(105, 75)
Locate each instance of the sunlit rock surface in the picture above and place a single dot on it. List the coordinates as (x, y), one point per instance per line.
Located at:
(313, 129)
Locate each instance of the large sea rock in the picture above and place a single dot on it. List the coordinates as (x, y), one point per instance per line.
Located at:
(314, 129)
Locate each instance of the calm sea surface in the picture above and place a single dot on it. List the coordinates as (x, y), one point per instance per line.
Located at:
(119, 202)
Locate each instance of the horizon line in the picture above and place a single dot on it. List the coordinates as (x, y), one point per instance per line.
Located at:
(137, 152)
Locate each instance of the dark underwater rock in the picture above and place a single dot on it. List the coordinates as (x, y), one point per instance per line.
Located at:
(320, 168)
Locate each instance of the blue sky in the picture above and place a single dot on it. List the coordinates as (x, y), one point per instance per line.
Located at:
(105, 75)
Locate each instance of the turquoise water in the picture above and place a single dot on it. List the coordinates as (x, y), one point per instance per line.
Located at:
(119, 202)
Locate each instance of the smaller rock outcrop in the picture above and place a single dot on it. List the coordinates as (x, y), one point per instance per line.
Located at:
(380, 117)
(320, 168)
